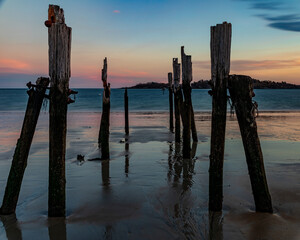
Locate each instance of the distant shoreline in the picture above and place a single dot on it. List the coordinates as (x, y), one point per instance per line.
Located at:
(205, 84)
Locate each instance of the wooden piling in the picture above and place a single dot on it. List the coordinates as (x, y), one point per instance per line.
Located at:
(59, 38)
(126, 112)
(177, 98)
(187, 77)
(103, 140)
(241, 93)
(171, 126)
(220, 45)
(185, 110)
(19, 162)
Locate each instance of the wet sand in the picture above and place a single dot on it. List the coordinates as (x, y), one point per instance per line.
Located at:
(146, 190)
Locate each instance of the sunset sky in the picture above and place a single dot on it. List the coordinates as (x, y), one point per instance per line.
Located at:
(140, 38)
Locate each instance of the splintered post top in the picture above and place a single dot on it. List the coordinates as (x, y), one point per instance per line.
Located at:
(56, 14)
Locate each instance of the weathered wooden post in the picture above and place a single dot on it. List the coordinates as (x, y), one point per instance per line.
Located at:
(187, 77)
(241, 93)
(19, 162)
(59, 38)
(170, 102)
(103, 140)
(126, 112)
(177, 98)
(185, 109)
(220, 45)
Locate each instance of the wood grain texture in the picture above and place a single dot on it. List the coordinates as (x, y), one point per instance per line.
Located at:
(126, 112)
(103, 139)
(59, 40)
(241, 92)
(220, 45)
(171, 120)
(187, 78)
(177, 98)
(20, 157)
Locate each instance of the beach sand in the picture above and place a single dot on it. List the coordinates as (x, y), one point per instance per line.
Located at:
(146, 191)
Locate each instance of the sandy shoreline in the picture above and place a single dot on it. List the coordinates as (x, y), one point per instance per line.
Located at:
(147, 191)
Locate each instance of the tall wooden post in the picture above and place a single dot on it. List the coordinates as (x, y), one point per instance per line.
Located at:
(220, 45)
(126, 112)
(186, 106)
(59, 37)
(170, 102)
(103, 140)
(187, 77)
(177, 98)
(19, 162)
(241, 92)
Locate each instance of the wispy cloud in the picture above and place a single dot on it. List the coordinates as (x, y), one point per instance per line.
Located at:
(253, 65)
(13, 66)
(266, 5)
(287, 20)
(116, 11)
(289, 17)
(287, 26)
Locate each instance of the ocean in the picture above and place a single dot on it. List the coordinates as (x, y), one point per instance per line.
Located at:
(152, 100)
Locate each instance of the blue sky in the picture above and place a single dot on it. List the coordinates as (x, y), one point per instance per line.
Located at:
(140, 38)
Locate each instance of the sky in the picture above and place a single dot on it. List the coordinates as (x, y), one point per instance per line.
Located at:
(140, 38)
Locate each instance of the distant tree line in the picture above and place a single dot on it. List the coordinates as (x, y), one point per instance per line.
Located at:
(205, 84)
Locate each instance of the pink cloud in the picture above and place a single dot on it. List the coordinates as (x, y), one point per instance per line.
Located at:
(13, 66)
(254, 65)
(116, 11)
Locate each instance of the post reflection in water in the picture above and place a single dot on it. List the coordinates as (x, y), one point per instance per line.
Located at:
(126, 158)
(57, 229)
(178, 165)
(108, 232)
(105, 173)
(215, 226)
(11, 226)
(180, 174)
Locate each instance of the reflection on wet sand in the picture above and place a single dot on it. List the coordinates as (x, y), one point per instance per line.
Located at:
(108, 233)
(105, 174)
(57, 229)
(12, 227)
(126, 159)
(180, 216)
(215, 226)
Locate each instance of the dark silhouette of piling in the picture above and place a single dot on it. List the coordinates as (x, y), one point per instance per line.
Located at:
(103, 140)
(171, 124)
(59, 38)
(187, 77)
(177, 98)
(241, 92)
(126, 112)
(220, 46)
(186, 107)
(36, 95)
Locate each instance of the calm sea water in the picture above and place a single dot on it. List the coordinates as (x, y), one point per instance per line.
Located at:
(148, 100)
